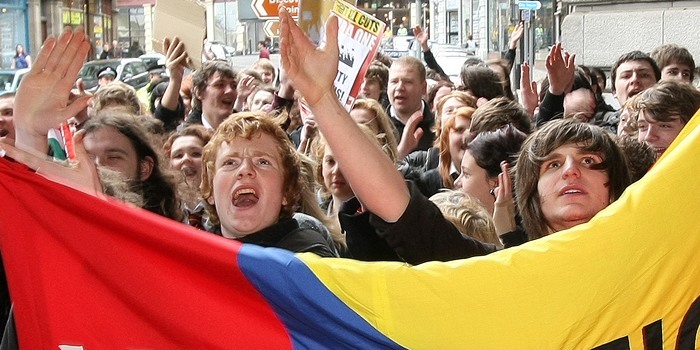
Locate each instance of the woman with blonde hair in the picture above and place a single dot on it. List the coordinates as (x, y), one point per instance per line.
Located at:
(370, 113)
(451, 144)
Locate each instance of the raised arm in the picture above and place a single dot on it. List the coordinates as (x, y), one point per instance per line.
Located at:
(560, 72)
(42, 101)
(422, 38)
(313, 71)
(515, 37)
(528, 88)
(175, 62)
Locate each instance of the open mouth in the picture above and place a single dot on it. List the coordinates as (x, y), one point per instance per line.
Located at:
(189, 172)
(245, 198)
(571, 190)
(633, 92)
(399, 98)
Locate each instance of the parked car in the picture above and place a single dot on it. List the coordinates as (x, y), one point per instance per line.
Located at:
(131, 71)
(153, 60)
(10, 79)
(222, 52)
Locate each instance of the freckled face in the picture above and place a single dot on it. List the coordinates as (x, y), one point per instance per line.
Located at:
(248, 185)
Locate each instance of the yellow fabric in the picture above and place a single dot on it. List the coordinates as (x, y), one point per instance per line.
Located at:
(635, 263)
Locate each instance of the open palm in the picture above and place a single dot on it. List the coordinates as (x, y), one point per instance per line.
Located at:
(311, 69)
(42, 101)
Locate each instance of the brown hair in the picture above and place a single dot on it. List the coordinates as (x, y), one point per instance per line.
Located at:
(665, 55)
(378, 72)
(201, 76)
(669, 99)
(195, 130)
(498, 113)
(539, 145)
(159, 190)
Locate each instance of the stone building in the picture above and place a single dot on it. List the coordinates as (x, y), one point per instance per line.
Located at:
(30, 22)
(599, 31)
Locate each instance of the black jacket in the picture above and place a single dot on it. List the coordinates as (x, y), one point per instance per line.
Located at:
(426, 124)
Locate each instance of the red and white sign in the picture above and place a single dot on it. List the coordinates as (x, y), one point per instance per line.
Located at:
(266, 9)
(272, 28)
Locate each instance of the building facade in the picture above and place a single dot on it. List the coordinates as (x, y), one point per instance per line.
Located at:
(30, 22)
(490, 23)
(14, 22)
(599, 31)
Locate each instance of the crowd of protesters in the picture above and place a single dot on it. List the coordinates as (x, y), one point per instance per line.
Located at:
(418, 170)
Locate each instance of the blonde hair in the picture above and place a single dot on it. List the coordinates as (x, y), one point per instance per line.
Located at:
(117, 94)
(318, 147)
(468, 215)
(386, 136)
(444, 145)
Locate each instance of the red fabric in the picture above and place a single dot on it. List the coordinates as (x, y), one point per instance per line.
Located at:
(76, 266)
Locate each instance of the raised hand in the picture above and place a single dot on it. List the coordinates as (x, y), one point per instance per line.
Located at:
(504, 207)
(530, 98)
(175, 62)
(175, 57)
(246, 86)
(411, 135)
(422, 37)
(42, 100)
(516, 36)
(311, 69)
(560, 70)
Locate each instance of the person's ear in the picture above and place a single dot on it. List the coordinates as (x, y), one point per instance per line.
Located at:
(146, 168)
(493, 182)
(197, 93)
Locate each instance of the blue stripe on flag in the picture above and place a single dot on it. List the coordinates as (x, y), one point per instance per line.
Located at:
(315, 317)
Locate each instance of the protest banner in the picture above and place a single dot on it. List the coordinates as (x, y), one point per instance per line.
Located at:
(85, 273)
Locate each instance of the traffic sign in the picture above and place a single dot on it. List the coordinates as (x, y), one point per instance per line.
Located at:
(272, 28)
(268, 9)
(529, 5)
